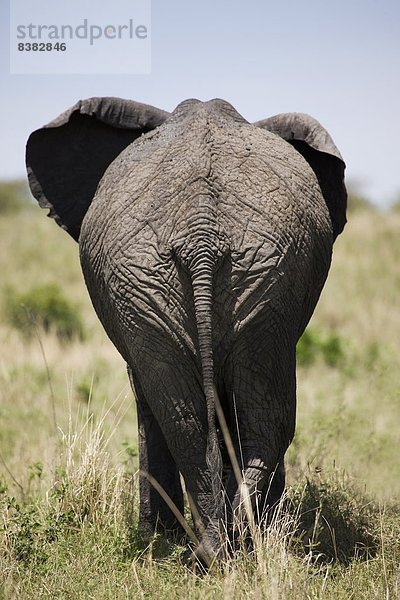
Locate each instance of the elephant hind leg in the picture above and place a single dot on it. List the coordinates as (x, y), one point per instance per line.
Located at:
(271, 494)
(255, 500)
(156, 461)
(263, 390)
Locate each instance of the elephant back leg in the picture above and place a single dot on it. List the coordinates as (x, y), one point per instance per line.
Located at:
(261, 381)
(156, 463)
(271, 493)
(175, 400)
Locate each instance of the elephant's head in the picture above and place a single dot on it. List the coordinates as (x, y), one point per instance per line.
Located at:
(67, 158)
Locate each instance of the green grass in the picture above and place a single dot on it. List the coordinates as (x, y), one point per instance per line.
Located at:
(68, 442)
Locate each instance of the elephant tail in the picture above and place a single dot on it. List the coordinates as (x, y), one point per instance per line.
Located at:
(201, 270)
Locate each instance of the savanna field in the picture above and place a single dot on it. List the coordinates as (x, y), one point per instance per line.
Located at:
(68, 439)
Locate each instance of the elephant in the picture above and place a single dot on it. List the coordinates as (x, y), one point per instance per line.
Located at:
(205, 242)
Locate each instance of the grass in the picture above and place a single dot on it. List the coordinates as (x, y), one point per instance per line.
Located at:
(68, 443)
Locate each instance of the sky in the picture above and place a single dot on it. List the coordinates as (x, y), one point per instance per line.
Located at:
(337, 61)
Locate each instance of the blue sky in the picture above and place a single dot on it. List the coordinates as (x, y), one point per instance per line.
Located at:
(338, 61)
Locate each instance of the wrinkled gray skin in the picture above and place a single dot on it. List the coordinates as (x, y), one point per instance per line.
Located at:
(204, 250)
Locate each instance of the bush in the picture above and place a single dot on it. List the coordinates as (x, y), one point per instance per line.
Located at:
(45, 307)
(314, 343)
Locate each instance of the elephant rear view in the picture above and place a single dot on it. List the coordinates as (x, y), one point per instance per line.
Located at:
(205, 242)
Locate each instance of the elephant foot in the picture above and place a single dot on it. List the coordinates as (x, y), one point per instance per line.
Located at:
(208, 553)
(201, 559)
(172, 531)
(195, 561)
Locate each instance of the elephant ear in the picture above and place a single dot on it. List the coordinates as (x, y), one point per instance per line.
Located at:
(66, 158)
(316, 145)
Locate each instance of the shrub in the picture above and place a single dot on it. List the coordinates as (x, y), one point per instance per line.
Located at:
(46, 307)
(307, 348)
(314, 343)
(332, 349)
